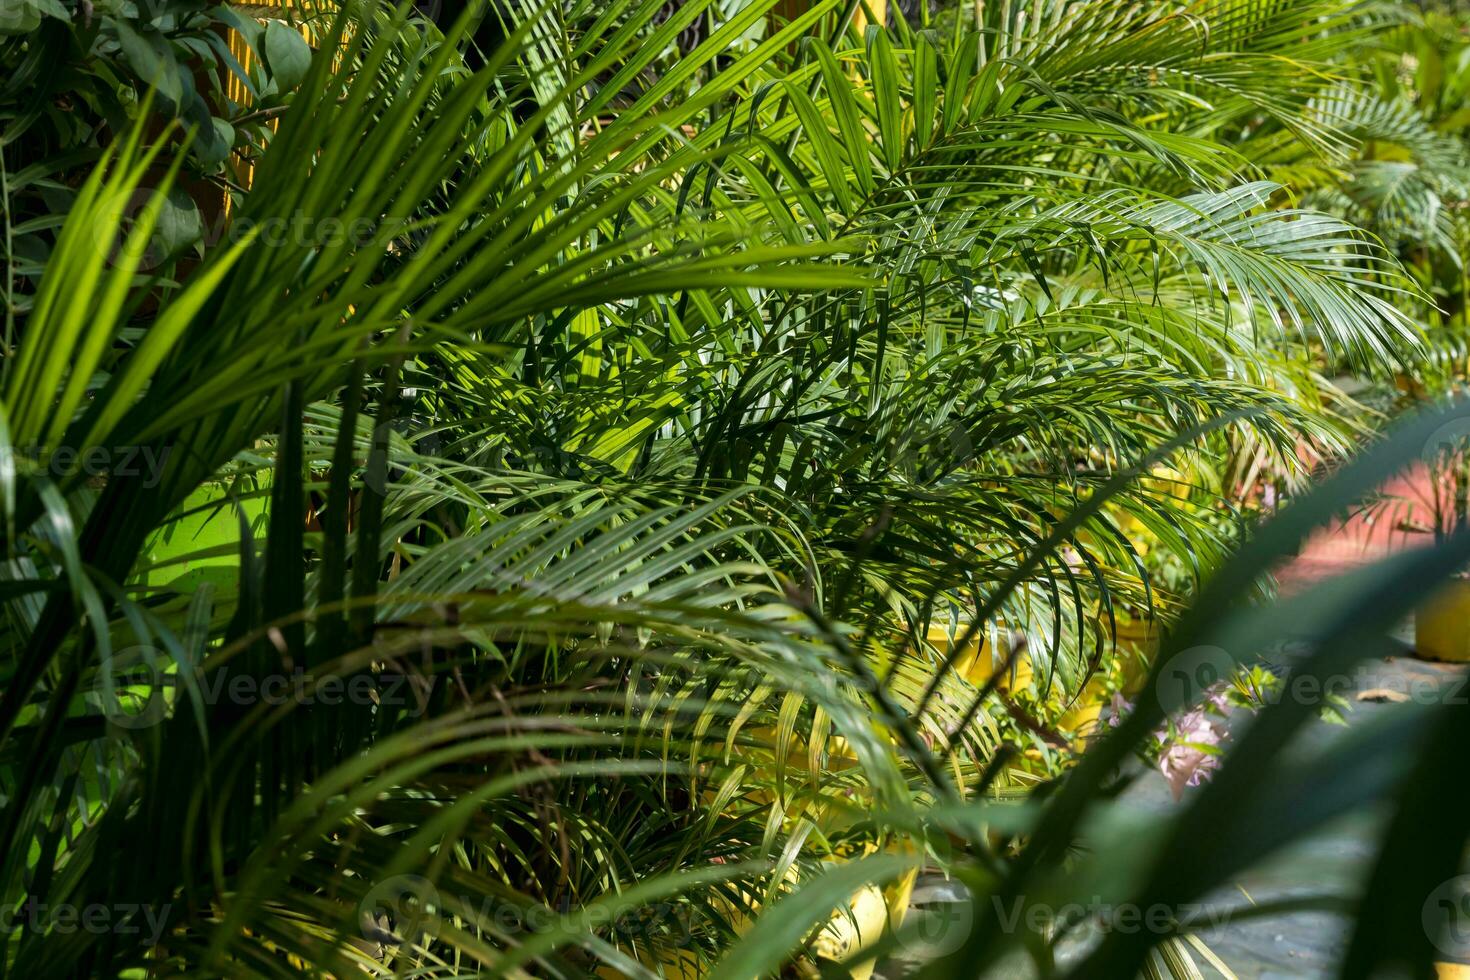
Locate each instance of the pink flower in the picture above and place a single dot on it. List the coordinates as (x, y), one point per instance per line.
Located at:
(1190, 758)
(1120, 707)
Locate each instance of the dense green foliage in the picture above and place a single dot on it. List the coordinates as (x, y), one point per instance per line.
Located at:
(78, 77)
(534, 514)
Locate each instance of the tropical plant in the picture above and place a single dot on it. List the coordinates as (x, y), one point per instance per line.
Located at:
(1086, 846)
(1405, 175)
(78, 76)
(552, 477)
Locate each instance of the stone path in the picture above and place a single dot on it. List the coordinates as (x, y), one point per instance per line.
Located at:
(1307, 945)
(1299, 946)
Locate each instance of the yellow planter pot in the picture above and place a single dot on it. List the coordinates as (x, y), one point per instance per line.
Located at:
(677, 965)
(1136, 640)
(988, 653)
(983, 656)
(1442, 625)
(871, 912)
(1085, 715)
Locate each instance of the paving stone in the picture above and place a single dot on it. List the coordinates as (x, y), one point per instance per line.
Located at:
(1298, 946)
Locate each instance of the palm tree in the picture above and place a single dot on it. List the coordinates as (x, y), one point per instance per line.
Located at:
(585, 443)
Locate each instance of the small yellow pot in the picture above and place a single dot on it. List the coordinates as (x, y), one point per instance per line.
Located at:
(1137, 641)
(983, 656)
(1442, 624)
(871, 912)
(1084, 717)
(675, 965)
